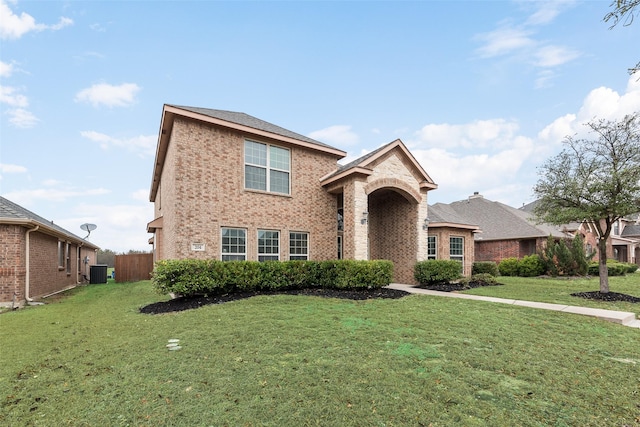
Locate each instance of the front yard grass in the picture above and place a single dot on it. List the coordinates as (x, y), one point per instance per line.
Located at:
(559, 290)
(92, 359)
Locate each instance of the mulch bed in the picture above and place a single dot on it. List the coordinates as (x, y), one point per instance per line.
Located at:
(609, 296)
(188, 303)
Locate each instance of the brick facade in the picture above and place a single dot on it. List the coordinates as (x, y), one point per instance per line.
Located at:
(203, 191)
(45, 275)
(199, 188)
(443, 235)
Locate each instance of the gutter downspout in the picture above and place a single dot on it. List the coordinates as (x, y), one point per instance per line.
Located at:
(27, 278)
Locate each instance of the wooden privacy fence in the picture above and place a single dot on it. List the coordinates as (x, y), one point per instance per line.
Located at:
(133, 267)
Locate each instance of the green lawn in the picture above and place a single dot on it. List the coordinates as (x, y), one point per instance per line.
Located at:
(91, 359)
(559, 291)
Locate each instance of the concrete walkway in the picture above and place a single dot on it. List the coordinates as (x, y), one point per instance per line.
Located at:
(622, 317)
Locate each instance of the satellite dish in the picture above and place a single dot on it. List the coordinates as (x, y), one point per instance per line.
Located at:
(88, 228)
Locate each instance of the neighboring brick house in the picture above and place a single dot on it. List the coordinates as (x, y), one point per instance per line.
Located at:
(37, 257)
(625, 240)
(504, 231)
(229, 186)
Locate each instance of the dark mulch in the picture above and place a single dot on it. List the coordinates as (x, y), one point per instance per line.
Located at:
(188, 303)
(609, 296)
(456, 287)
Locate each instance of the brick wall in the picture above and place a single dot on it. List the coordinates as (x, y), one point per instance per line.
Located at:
(203, 190)
(392, 235)
(12, 263)
(45, 276)
(443, 234)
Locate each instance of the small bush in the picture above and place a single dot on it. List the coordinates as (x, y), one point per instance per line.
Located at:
(437, 271)
(530, 266)
(509, 267)
(485, 267)
(480, 279)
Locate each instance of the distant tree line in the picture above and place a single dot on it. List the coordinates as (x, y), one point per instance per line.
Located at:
(108, 257)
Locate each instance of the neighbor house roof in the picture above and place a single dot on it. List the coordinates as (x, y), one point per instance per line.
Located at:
(631, 230)
(361, 165)
(442, 215)
(12, 213)
(502, 222)
(230, 119)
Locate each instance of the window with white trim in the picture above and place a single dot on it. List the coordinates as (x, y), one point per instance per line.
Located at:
(268, 245)
(456, 248)
(432, 252)
(266, 167)
(62, 254)
(234, 244)
(298, 246)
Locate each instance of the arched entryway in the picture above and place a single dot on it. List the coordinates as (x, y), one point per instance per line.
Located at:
(392, 230)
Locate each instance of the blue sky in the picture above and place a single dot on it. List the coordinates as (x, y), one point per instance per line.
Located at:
(482, 92)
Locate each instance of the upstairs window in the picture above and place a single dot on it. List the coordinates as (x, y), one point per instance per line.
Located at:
(266, 167)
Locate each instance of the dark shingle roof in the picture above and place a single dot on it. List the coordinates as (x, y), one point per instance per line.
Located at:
(13, 211)
(252, 122)
(441, 212)
(631, 230)
(499, 221)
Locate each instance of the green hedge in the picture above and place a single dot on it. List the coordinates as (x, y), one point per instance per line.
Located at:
(437, 271)
(485, 267)
(528, 266)
(213, 277)
(614, 268)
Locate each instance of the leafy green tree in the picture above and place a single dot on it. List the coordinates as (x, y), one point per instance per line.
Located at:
(624, 11)
(595, 180)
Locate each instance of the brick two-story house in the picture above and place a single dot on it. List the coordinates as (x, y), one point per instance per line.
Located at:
(229, 186)
(37, 257)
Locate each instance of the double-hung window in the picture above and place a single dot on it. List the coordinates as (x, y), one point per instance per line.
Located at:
(268, 245)
(298, 246)
(234, 244)
(63, 254)
(266, 167)
(456, 248)
(432, 252)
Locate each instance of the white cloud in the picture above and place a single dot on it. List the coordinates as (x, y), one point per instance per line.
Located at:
(110, 95)
(9, 96)
(7, 168)
(141, 195)
(6, 69)
(552, 56)
(14, 26)
(503, 41)
(478, 134)
(120, 227)
(492, 157)
(144, 145)
(548, 11)
(520, 44)
(21, 118)
(340, 135)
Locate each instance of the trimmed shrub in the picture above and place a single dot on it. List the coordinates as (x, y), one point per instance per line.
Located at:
(509, 267)
(194, 277)
(614, 268)
(485, 267)
(437, 271)
(530, 266)
(480, 279)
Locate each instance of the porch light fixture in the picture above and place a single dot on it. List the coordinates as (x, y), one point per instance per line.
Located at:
(425, 225)
(365, 217)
